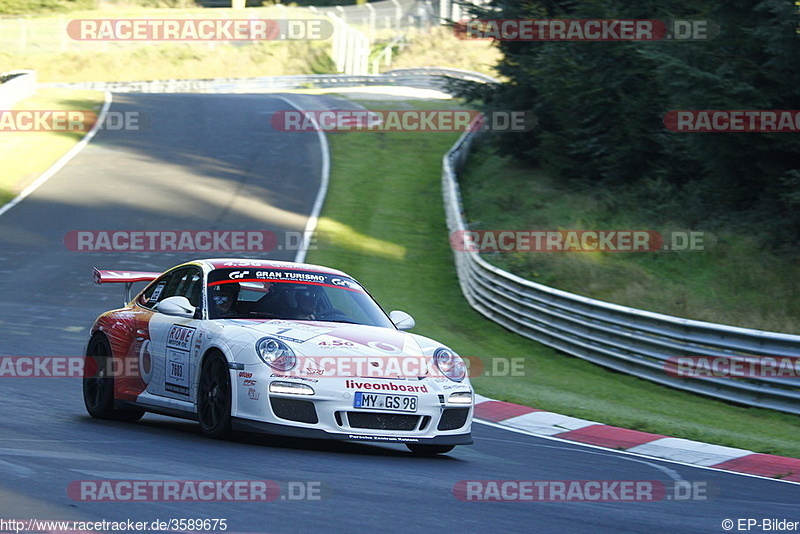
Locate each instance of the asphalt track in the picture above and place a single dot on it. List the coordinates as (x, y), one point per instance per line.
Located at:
(213, 162)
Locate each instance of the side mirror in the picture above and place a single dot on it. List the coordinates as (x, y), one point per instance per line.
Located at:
(177, 306)
(402, 320)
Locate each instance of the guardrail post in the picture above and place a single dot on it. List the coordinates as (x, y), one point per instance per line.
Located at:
(398, 13)
(350, 47)
(371, 20)
(342, 14)
(444, 11)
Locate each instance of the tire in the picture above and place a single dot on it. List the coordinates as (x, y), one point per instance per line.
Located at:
(214, 397)
(430, 450)
(98, 389)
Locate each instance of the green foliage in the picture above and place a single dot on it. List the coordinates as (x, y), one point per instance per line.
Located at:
(601, 105)
(734, 280)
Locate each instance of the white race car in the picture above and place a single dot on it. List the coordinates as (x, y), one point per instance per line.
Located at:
(276, 347)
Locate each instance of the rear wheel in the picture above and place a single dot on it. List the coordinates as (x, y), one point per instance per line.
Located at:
(98, 383)
(430, 450)
(214, 397)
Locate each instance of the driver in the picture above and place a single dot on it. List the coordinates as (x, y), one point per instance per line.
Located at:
(306, 298)
(223, 299)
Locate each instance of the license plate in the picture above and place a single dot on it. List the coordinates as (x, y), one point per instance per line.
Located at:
(382, 401)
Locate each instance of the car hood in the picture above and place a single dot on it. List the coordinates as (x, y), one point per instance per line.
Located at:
(328, 349)
(321, 338)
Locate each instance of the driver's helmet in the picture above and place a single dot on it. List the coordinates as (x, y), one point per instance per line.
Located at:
(304, 297)
(225, 295)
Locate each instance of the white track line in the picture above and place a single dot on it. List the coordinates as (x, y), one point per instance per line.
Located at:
(57, 166)
(311, 225)
(626, 453)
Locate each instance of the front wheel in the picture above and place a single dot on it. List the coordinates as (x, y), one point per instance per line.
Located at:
(98, 383)
(214, 397)
(430, 450)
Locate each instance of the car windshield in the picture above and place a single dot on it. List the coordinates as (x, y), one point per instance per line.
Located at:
(291, 294)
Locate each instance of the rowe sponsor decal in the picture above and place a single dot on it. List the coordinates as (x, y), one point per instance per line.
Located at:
(180, 337)
(179, 342)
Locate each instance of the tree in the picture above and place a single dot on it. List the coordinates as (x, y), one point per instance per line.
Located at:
(600, 104)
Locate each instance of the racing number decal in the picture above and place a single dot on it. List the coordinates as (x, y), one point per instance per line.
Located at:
(179, 343)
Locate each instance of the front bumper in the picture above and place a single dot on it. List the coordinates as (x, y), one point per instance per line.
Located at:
(330, 413)
(278, 429)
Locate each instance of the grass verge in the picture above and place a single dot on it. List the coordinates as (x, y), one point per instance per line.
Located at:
(734, 280)
(385, 220)
(25, 155)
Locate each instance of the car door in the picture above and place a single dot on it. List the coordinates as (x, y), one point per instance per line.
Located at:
(136, 368)
(173, 338)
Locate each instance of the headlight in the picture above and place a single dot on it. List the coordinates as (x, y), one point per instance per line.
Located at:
(290, 388)
(276, 354)
(450, 364)
(461, 397)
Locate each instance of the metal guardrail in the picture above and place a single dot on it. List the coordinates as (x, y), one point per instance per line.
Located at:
(627, 340)
(16, 86)
(424, 78)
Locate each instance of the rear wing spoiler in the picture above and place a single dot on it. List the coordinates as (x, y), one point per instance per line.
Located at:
(123, 277)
